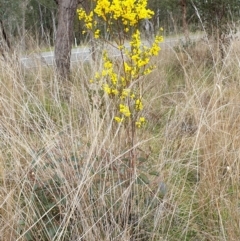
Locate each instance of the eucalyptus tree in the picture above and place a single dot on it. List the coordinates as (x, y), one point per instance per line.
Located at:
(11, 19)
(4, 42)
(64, 36)
(167, 15)
(183, 4)
(218, 18)
(174, 15)
(34, 18)
(41, 20)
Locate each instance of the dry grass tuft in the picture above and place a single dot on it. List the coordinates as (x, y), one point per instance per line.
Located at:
(63, 169)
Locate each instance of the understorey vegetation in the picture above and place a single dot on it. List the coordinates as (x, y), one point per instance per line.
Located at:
(139, 146)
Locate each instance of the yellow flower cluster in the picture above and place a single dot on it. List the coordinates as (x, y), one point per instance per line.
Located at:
(108, 70)
(129, 12)
(118, 119)
(140, 56)
(154, 50)
(124, 110)
(96, 33)
(140, 122)
(110, 91)
(88, 18)
(126, 12)
(114, 86)
(138, 105)
(121, 82)
(125, 93)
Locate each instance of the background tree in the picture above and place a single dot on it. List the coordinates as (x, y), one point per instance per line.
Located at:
(33, 20)
(10, 17)
(219, 19)
(4, 42)
(41, 21)
(183, 4)
(175, 16)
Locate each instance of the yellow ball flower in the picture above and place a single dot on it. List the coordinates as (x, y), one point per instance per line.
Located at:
(138, 104)
(118, 119)
(124, 110)
(96, 34)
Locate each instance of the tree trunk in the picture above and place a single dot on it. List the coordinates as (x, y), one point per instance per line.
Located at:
(173, 22)
(64, 37)
(23, 32)
(41, 22)
(54, 25)
(4, 41)
(184, 19)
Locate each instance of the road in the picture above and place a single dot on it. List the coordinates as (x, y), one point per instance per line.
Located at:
(47, 58)
(82, 54)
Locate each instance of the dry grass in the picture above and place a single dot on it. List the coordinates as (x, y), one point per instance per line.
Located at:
(63, 169)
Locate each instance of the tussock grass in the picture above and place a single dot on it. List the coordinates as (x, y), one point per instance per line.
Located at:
(63, 168)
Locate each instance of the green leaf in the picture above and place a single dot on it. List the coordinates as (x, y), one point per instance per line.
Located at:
(63, 201)
(60, 159)
(21, 222)
(74, 158)
(29, 236)
(57, 179)
(36, 187)
(142, 159)
(142, 179)
(52, 232)
(49, 206)
(154, 173)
